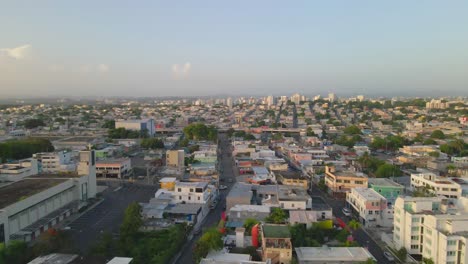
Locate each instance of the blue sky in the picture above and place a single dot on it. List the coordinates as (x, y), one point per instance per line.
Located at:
(152, 48)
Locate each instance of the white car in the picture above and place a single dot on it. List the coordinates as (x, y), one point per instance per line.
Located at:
(389, 256)
(222, 187)
(346, 212)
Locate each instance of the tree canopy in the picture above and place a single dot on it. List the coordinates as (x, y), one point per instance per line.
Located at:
(277, 216)
(200, 131)
(33, 123)
(387, 170)
(352, 130)
(23, 148)
(210, 240)
(152, 143)
(438, 134)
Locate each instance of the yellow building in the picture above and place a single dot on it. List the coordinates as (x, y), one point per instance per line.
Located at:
(168, 183)
(341, 182)
(292, 179)
(276, 244)
(175, 158)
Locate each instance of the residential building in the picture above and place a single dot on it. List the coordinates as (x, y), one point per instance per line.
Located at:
(308, 217)
(276, 243)
(191, 192)
(230, 258)
(241, 212)
(36, 203)
(387, 188)
(55, 161)
(175, 158)
(332, 255)
(293, 198)
(434, 227)
(371, 207)
(341, 182)
(168, 183)
(292, 178)
(137, 125)
(114, 168)
(437, 104)
(436, 184)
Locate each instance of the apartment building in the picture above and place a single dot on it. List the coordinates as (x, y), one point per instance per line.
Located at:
(291, 178)
(387, 188)
(55, 161)
(436, 184)
(191, 192)
(341, 182)
(31, 206)
(372, 207)
(293, 198)
(115, 168)
(276, 243)
(434, 227)
(175, 158)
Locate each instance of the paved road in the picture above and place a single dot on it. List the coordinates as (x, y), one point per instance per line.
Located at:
(108, 215)
(361, 237)
(215, 215)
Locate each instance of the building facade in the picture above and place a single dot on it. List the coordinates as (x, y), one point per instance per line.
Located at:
(372, 207)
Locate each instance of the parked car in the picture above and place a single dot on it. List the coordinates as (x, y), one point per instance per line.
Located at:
(346, 212)
(388, 256)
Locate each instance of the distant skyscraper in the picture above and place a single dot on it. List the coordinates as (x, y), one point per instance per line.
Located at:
(296, 98)
(270, 100)
(229, 102)
(331, 97)
(360, 98)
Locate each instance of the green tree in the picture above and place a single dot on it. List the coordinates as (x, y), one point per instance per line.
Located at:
(33, 123)
(109, 124)
(210, 240)
(248, 224)
(429, 141)
(402, 254)
(249, 137)
(152, 143)
(352, 130)
(387, 170)
(23, 148)
(105, 246)
(277, 216)
(438, 134)
(131, 224)
(354, 225)
(428, 261)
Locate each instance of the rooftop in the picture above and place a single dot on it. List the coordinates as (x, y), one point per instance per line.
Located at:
(383, 182)
(276, 231)
(25, 188)
(332, 254)
(63, 175)
(191, 184)
(368, 193)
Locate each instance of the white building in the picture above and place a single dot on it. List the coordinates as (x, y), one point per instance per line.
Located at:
(434, 227)
(137, 125)
(436, 184)
(331, 97)
(34, 204)
(371, 207)
(113, 168)
(191, 192)
(15, 171)
(55, 161)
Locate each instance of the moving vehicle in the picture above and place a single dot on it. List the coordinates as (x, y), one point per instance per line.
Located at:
(388, 256)
(346, 212)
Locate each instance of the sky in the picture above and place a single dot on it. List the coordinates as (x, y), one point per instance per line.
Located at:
(245, 47)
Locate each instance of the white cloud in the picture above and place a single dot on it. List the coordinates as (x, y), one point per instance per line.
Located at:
(18, 53)
(103, 68)
(181, 71)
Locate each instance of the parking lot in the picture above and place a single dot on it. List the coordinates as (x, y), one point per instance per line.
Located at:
(108, 215)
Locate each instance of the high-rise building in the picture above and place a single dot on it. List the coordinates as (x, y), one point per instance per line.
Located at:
(437, 104)
(360, 98)
(434, 227)
(331, 97)
(229, 102)
(296, 98)
(270, 100)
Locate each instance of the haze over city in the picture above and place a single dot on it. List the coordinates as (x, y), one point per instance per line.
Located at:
(192, 48)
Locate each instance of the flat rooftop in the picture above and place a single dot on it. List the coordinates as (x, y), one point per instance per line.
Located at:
(56, 175)
(191, 184)
(276, 231)
(384, 182)
(332, 254)
(368, 193)
(19, 190)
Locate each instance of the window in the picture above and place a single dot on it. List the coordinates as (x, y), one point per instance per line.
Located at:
(190, 198)
(292, 205)
(415, 228)
(179, 189)
(451, 253)
(198, 198)
(359, 182)
(414, 246)
(377, 212)
(451, 242)
(414, 237)
(191, 189)
(347, 181)
(370, 212)
(180, 197)
(415, 220)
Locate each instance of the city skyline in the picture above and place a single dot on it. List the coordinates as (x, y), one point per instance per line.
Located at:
(212, 48)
